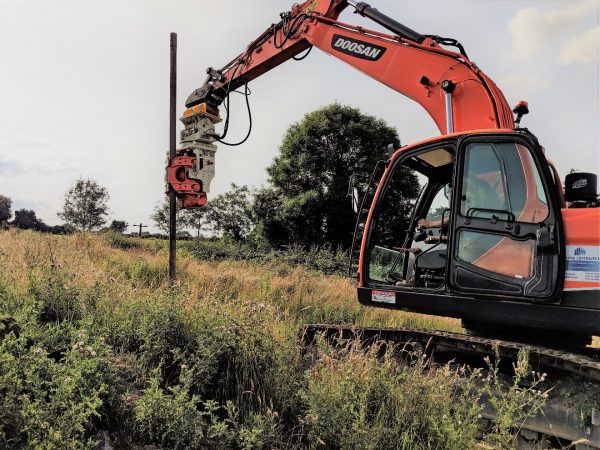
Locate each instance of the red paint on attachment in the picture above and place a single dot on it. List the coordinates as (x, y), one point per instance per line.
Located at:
(188, 190)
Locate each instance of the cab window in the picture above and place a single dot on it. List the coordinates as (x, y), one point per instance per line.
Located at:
(501, 179)
(500, 182)
(400, 253)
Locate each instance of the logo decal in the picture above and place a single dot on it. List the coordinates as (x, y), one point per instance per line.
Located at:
(578, 184)
(583, 264)
(359, 49)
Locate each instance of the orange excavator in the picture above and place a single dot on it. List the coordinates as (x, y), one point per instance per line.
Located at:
(493, 238)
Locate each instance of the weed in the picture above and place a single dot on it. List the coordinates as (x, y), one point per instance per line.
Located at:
(513, 400)
(55, 383)
(357, 400)
(94, 338)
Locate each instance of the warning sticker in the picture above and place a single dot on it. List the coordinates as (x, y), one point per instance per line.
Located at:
(583, 263)
(383, 297)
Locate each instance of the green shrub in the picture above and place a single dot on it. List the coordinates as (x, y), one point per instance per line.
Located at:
(57, 295)
(168, 420)
(224, 249)
(176, 420)
(119, 240)
(321, 259)
(148, 243)
(51, 397)
(219, 356)
(358, 401)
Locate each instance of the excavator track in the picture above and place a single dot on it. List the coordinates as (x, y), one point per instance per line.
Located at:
(585, 365)
(557, 423)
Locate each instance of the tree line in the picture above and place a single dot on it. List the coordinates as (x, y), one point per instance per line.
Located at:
(303, 203)
(85, 208)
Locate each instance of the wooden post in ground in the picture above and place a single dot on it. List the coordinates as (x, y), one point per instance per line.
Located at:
(172, 150)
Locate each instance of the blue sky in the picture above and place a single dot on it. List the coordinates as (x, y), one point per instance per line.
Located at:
(84, 86)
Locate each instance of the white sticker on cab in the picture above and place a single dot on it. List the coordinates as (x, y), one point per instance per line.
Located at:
(383, 297)
(583, 263)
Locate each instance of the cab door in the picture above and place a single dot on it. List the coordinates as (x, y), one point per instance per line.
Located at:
(507, 238)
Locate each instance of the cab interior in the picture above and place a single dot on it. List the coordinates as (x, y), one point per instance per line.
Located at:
(410, 255)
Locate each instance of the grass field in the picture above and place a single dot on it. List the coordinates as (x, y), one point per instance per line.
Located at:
(94, 342)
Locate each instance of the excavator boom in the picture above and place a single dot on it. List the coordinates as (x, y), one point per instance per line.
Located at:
(453, 90)
(410, 63)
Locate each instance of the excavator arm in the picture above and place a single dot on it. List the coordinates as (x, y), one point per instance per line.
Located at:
(452, 89)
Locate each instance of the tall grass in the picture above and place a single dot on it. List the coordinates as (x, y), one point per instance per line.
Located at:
(358, 400)
(95, 341)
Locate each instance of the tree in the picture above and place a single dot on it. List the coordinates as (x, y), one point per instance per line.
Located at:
(5, 206)
(160, 216)
(85, 205)
(197, 218)
(61, 229)
(26, 219)
(120, 226)
(306, 202)
(231, 213)
(272, 219)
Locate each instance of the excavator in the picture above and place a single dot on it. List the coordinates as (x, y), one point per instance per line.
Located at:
(493, 238)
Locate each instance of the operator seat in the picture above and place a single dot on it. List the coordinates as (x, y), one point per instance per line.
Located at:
(432, 260)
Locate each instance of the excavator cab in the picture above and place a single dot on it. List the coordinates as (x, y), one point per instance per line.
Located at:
(469, 226)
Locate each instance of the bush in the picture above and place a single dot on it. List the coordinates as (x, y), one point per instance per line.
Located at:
(52, 397)
(119, 240)
(58, 299)
(94, 341)
(179, 421)
(321, 259)
(231, 367)
(168, 420)
(358, 401)
(219, 355)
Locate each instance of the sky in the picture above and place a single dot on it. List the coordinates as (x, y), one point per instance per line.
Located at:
(84, 87)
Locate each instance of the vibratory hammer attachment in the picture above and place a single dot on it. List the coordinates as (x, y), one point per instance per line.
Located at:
(193, 168)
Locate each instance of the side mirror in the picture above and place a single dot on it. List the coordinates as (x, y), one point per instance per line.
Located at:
(354, 200)
(353, 193)
(390, 151)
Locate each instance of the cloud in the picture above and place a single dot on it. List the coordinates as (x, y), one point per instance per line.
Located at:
(582, 48)
(523, 83)
(530, 28)
(23, 155)
(9, 167)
